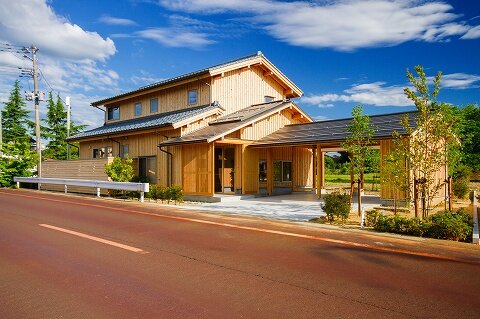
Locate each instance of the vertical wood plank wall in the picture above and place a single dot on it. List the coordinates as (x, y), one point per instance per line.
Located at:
(250, 171)
(170, 99)
(93, 169)
(387, 191)
(268, 125)
(302, 168)
(198, 169)
(241, 88)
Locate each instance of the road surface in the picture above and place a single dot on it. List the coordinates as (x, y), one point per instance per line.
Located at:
(76, 257)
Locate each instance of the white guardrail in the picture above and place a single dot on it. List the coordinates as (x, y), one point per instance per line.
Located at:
(126, 186)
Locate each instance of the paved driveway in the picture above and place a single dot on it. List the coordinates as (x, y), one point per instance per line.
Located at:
(297, 206)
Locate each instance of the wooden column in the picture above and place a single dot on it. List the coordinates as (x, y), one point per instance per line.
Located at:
(244, 168)
(320, 181)
(269, 171)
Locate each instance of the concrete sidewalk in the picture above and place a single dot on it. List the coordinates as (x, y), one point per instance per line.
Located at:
(296, 206)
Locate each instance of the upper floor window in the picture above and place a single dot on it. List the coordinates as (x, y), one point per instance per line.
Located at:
(192, 97)
(113, 113)
(153, 105)
(268, 98)
(138, 109)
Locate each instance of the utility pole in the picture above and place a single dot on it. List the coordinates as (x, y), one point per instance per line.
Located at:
(36, 95)
(67, 102)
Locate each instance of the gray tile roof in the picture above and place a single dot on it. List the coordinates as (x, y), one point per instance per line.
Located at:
(228, 123)
(178, 78)
(147, 122)
(333, 131)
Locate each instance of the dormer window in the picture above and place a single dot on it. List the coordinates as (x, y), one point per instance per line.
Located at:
(192, 97)
(138, 109)
(113, 113)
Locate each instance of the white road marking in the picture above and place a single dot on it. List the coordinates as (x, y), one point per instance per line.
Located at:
(100, 240)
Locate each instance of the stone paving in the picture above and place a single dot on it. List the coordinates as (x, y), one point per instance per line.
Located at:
(296, 206)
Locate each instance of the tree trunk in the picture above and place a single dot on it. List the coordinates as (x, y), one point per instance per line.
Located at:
(415, 197)
(359, 196)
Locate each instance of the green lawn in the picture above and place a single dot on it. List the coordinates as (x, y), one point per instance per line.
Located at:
(369, 178)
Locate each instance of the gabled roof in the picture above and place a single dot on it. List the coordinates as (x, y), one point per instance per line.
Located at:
(232, 122)
(174, 119)
(257, 58)
(334, 130)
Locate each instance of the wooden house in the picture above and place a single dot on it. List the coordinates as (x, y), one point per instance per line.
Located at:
(232, 128)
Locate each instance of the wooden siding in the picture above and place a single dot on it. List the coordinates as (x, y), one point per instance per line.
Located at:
(198, 169)
(241, 88)
(302, 168)
(93, 169)
(268, 125)
(249, 170)
(170, 99)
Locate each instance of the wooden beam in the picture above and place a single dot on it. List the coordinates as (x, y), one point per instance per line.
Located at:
(233, 141)
(268, 73)
(288, 92)
(297, 116)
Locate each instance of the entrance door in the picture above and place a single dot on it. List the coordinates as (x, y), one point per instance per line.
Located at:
(224, 174)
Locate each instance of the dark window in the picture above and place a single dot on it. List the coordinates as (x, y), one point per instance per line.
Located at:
(113, 113)
(99, 152)
(124, 151)
(153, 105)
(268, 99)
(282, 171)
(147, 168)
(109, 151)
(192, 97)
(138, 109)
(287, 172)
(262, 170)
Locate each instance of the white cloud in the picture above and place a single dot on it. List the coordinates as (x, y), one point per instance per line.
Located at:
(106, 19)
(70, 58)
(375, 93)
(344, 25)
(473, 33)
(144, 78)
(33, 21)
(171, 37)
(459, 81)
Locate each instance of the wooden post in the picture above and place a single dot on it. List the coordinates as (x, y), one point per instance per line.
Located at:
(319, 179)
(98, 191)
(142, 197)
(65, 188)
(269, 171)
(475, 236)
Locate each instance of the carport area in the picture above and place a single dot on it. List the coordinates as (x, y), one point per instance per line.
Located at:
(296, 206)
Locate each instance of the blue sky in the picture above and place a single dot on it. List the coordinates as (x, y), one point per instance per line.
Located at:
(340, 53)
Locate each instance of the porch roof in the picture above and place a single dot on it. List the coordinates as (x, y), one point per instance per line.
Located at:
(232, 122)
(148, 122)
(334, 131)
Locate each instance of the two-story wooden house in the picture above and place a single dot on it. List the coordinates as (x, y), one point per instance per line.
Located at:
(194, 130)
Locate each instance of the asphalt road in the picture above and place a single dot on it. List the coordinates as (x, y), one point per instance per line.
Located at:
(71, 257)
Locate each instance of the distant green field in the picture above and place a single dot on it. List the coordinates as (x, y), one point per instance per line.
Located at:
(369, 178)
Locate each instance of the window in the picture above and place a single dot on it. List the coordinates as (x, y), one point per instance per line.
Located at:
(153, 105)
(262, 170)
(99, 152)
(124, 151)
(147, 168)
(138, 109)
(109, 151)
(268, 99)
(192, 97)
(113, 113)
(282, 171)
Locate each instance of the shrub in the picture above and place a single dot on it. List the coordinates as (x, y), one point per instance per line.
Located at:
(372, 216)
(175, 193)
(461, 181)
(454, 226)
(336, 205)
(443, 225)
(120, 171)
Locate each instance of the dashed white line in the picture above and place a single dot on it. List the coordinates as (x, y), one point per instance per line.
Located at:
(100, 240)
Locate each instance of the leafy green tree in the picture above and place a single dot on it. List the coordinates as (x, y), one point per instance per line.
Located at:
(120, 171)
(358, 144)
(430, 141)
(56, 130)
(469, 134)
(17, 159)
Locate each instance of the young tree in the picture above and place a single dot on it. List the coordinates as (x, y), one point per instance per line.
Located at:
(358, 144)
(120, 171)
(18, 159)
(426, 150)
(56, 129)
